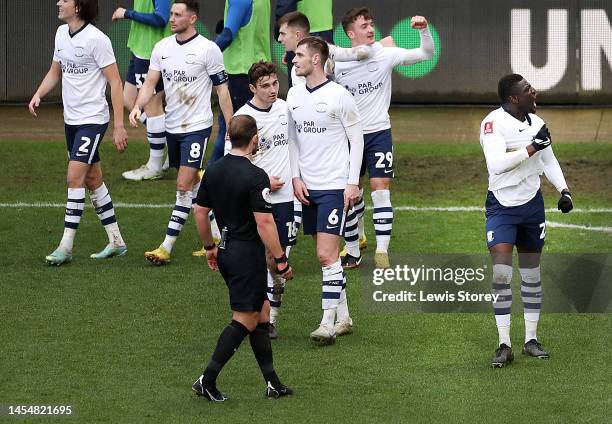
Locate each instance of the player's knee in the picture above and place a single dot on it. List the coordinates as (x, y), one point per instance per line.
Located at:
(184, 186)
(502, 275)
(530, 275)
(326, 257)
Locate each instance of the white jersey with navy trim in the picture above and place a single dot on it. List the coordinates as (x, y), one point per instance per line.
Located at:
(273, 153)
(82, 56)
(189, 69)
(370, 80)
(514, 177)
(317, 121)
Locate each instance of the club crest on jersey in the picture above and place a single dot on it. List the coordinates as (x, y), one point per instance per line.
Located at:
(265, 193)
(282, 118)
(190, 58)
(372, 66)
(79, 51)
(321, 107)
(488, 127)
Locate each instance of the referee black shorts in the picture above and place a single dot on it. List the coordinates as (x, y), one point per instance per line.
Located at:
(243, 267)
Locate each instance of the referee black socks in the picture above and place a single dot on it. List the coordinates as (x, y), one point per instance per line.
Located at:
(262, 348)
(227, 344)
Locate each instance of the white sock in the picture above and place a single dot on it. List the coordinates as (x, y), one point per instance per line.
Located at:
(503, 328)
(383, 219)
(156, 134)
(179, 216)
(72, 217)
(531, 327)
(342, 312)
(329, 317)
(531, 295)
(332, 285)
(360, 210)
(103, 205)
(351, 236)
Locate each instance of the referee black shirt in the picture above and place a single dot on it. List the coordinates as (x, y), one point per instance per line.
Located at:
(235, 188)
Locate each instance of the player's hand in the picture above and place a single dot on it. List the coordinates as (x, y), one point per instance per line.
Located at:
(275, 183)
(542, 139)
(388, 42)
(118, 14)
(300, 191)
(120, 138)
(211, 259)
(351, 195)
(565, 202)
(34, 103)
(418, 22)
(135, 116)
(285, 270)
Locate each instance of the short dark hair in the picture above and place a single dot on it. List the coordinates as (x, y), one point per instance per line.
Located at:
(261, 69)
(506, 85)
(241, 130)
(87, 10)
(353, 13)
(295, 19)
(191, 5)
(316, 45)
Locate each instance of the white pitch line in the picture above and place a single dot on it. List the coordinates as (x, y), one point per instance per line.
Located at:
(395, 208)
(578, 227)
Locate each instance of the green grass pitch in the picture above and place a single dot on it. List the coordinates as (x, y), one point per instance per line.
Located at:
(122, 341)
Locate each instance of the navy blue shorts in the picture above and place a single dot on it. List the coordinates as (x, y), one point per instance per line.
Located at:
(523, 226)
(378, 154)
(285, 223)
(325, 214)
(137, 74)
(187, 149)
(83, 142)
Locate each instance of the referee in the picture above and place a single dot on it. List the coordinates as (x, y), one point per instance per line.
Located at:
(239, 193)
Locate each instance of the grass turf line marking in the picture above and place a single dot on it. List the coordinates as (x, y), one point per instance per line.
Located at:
(395, 208)
(553, 224)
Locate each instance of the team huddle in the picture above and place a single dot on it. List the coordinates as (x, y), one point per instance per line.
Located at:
(288, 163)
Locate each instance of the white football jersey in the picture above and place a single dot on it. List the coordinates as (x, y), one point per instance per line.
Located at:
(188, 69)
(82, 56)
(273, 153)
(319, 117)
(370, 80)
(514, 177)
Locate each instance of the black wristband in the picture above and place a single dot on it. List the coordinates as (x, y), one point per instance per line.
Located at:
(282, 271)
(281, 260)
(210, 246)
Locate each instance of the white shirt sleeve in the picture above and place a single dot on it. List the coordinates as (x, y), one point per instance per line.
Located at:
(214, 60)
(494, 147)
(552, 169)
(154, 62)
(55, 58)
(294, 148)
(411, 56)
(350, 118)
(341, 54)
(102, 52)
